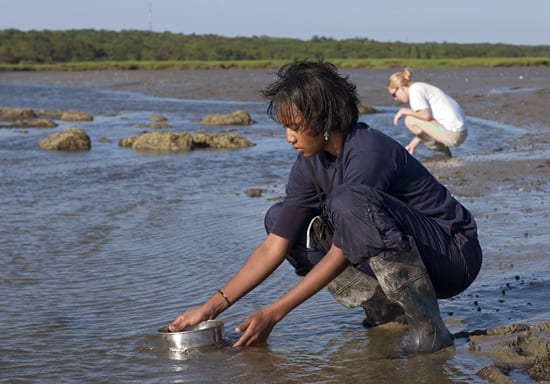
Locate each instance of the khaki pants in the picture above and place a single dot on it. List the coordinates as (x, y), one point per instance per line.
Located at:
(436, 137)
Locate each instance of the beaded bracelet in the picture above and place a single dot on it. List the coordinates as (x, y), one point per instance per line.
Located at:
(225, 297)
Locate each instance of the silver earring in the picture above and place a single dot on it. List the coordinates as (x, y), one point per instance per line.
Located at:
(326, 135)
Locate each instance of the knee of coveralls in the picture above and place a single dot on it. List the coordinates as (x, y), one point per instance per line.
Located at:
(362, 226)
(301, 258)
(369, 223)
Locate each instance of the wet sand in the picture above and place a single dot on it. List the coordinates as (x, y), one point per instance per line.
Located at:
(498, 185)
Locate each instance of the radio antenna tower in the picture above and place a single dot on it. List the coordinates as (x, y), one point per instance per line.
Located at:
(150, 15)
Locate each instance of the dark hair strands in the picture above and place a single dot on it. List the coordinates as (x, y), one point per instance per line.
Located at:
(326, 100)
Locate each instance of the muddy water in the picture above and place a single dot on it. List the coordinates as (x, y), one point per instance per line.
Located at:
(99, 249)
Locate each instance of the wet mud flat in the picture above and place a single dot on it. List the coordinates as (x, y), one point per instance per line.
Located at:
(506, 188)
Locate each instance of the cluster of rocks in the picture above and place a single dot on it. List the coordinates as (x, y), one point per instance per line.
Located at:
(76, 139)
(183, 141)
(28, 118)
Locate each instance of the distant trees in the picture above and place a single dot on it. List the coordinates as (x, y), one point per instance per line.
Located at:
(49, 47)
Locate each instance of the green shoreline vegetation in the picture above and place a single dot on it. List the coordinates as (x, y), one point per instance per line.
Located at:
(273, 64)
(88, 49)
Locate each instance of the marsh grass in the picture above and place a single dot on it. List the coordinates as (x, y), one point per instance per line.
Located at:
(260, 64)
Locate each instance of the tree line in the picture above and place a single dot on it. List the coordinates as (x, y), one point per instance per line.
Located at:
(85, 45)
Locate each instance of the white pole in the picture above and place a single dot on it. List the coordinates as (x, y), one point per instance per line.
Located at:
(150, 15)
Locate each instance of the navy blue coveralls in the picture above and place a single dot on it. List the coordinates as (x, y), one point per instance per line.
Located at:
(377, 195)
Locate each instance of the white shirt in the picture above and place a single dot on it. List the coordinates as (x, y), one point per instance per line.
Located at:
(444, 108)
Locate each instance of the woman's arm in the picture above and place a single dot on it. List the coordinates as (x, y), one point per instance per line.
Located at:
(422, 114)
(260, 264)
(257, 327)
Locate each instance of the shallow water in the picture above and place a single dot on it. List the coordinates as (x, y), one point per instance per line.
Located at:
(99, 249)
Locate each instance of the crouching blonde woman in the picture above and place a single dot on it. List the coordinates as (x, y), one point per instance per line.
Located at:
(434, 118)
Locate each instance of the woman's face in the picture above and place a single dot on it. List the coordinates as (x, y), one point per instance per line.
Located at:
(399, 94)
(298, 134)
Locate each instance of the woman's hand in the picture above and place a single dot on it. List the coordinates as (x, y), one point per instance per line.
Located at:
(187, 319)
(412, 145)
(256, 328)
(260, 264)
(397, 116)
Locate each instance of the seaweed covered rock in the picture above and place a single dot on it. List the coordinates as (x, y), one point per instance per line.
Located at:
(14, 114)
(159, 142)
(72, 140)
(29, 123)
(365, 109)
(221, 141)
(238, 117)
(157, 118)
(23, 118)
(76, 116)
(160, 125)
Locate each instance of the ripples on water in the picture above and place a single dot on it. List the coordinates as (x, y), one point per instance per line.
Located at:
(99, 249)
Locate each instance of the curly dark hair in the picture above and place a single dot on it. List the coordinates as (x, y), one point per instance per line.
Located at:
(326, 100)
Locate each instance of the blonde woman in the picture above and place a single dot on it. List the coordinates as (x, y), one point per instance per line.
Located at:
(434, 118)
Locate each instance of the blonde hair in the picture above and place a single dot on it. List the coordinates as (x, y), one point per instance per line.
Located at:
(400, 79)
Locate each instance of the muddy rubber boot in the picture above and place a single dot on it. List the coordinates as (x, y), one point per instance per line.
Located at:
(353, 288)
(404, 279)
(380, 310)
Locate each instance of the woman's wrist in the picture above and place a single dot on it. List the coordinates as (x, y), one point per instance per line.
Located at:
(215, 305)
(229, 303)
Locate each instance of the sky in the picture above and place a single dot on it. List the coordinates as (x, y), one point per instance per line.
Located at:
(522, 22)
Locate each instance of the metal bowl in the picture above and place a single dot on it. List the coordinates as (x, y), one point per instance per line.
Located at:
(208, 332)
